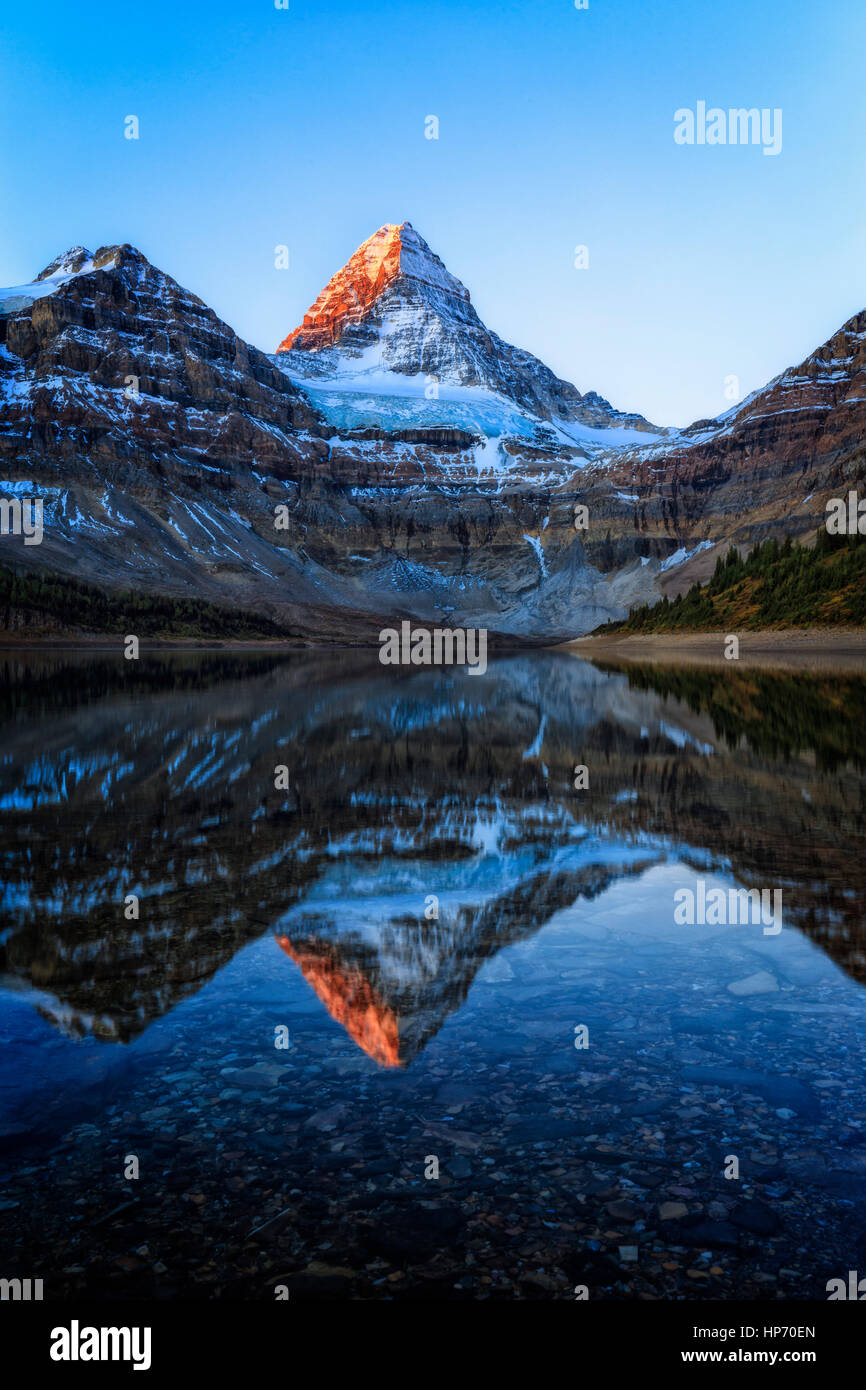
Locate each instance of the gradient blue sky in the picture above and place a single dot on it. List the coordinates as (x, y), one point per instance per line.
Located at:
(306, 127)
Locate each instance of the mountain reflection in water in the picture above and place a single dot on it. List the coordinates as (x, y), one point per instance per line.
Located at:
(430, 913)
(161, 782)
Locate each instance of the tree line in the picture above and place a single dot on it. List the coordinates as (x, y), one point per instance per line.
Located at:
(776, 585)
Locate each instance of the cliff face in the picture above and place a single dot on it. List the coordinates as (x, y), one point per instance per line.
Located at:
(116, 359)
(394, 458)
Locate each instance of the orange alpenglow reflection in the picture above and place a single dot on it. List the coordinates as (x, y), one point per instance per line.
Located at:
(350, 999)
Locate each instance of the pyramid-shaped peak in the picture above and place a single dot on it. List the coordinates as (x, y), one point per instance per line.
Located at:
(394, 251)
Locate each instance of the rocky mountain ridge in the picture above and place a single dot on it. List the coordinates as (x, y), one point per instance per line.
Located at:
(766, 467)
(326, 486)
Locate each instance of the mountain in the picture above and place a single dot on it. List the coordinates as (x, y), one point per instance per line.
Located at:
(395, 308)
(159, 442)
(763, 469)
(394, 458)
(161, 445)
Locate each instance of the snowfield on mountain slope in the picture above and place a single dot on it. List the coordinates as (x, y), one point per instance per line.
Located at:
(369, 397)
(75, 262)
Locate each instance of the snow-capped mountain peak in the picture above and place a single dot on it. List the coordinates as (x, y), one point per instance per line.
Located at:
(395, 308)
(392, 252)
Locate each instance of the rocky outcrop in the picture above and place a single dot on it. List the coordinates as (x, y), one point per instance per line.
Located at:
(144, 423)
(121, 367)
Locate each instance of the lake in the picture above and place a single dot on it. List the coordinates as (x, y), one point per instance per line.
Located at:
(327, 980)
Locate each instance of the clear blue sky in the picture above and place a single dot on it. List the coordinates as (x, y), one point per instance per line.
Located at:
(306, 127)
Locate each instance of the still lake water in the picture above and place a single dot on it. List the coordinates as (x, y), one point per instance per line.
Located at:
(431, 1130)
